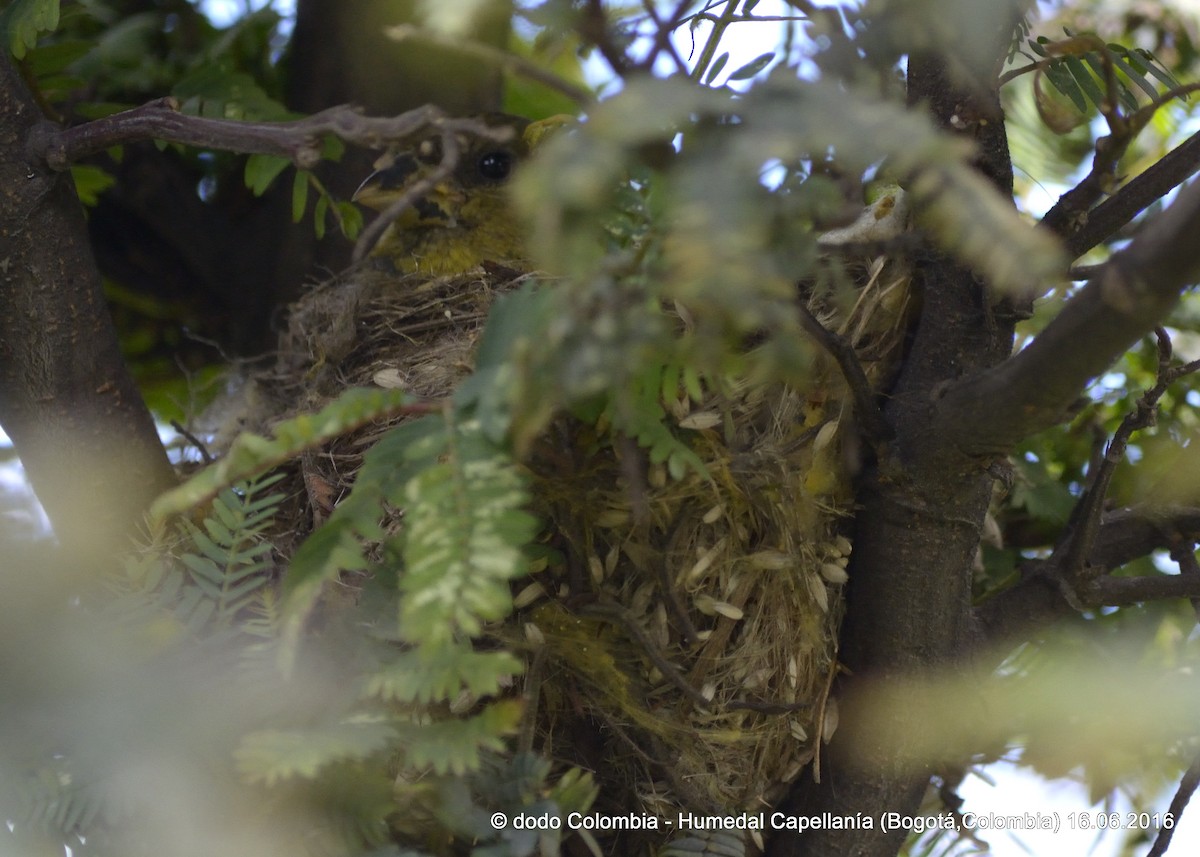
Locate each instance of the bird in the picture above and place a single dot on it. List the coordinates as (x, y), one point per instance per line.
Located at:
(465, 219)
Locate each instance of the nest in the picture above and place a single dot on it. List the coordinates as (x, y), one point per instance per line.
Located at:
(686, 646)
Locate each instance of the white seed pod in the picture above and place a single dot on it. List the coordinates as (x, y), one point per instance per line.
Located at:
(825, 435)
(610, 561)
(596, 569)
(816, 587)
(772, 560)
(704, 562)
(660, 628)
(639, 603)
(798, 731)
(612, 518)
(829, 723)
(700, 420)
(834, 573)
(729, 611)
(844, 545)
(390, 379)
(534, 634)
(714, 514)
(528, 595)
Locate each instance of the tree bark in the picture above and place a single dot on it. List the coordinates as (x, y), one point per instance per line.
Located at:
(922, 506)
(66, 399)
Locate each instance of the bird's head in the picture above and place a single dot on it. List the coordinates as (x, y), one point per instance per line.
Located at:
(465, 218)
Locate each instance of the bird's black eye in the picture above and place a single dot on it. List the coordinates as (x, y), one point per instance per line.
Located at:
(495, 166)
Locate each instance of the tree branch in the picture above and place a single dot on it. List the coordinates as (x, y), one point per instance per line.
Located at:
(990, 413)
(1155, 182)
(1122, 591)
(1187, 787)
(1124, 535)
(1070, 554)
(300, 140)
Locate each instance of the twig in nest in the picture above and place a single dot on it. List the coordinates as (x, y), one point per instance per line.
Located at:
(611, 612)
(870, 417)
(686, 629)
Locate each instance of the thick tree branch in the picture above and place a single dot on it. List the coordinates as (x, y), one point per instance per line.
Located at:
(1124, 535)
(299, 140)
(988, 414)
(1122, 591)
(1071, 212)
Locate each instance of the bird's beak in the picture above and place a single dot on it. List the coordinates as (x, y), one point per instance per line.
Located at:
(381, 187)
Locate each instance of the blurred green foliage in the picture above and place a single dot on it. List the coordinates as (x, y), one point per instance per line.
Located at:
(192, 707)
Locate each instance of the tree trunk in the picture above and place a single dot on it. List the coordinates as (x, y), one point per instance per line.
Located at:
(922, 506)
(66, 399)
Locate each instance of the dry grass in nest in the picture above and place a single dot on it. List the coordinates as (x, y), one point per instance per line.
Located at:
(687, 643)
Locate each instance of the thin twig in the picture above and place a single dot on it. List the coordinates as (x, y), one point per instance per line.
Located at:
(875, 427)
(614, 612)
(371, 235)
(662, 36)
(1187, 787)
(1071, 554)
(593, 29)
(205, 455)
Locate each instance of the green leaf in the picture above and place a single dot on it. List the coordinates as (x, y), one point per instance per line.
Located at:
(271, 756)
(1061, 79)
(299, 195)
(1085, 79)
(320, 210)
(350, 218)
(262, 170)
(718, 64)
(250, 454)
(90, 182)
(1155, 68)
(24, 20)
(753, 67)
(1117, 54)
(456, 746)
(440, 673)
(465, 532)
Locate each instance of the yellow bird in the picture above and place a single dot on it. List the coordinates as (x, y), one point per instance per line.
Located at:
(465, 219)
